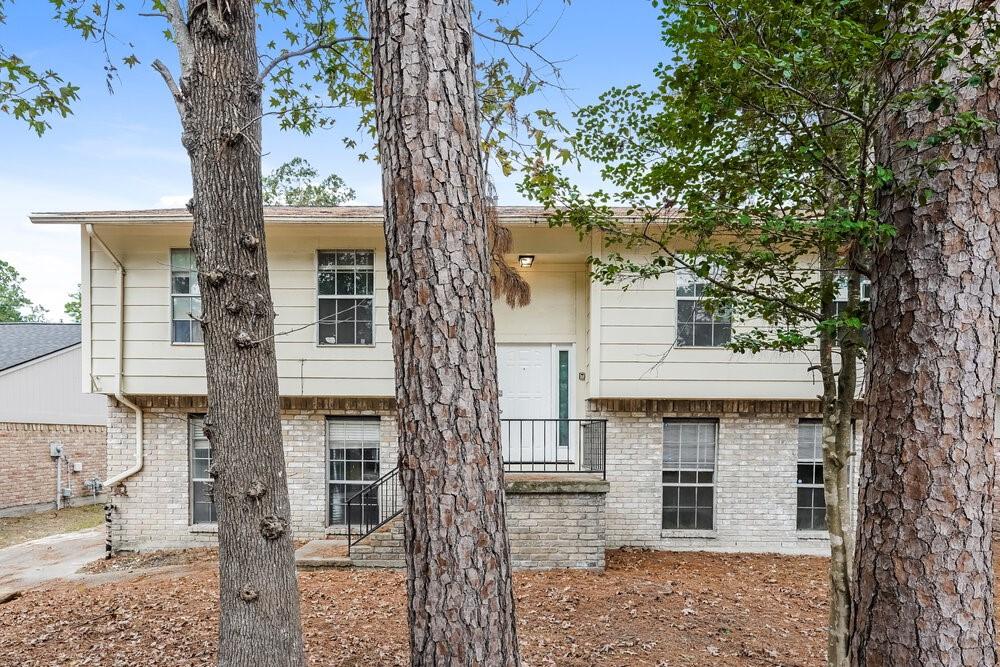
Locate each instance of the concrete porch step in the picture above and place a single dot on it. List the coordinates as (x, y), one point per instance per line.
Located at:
(320, 554)
(382, 548)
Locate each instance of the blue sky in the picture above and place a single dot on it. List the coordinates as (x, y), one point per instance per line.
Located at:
(122, 150)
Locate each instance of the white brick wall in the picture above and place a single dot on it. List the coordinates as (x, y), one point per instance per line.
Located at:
(755, 489)
(155, 512)
(553, 528)
(549, 530)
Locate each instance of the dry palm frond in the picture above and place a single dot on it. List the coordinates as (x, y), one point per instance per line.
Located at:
(507, 283)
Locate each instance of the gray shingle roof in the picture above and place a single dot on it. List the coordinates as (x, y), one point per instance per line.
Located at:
(21, 342)
(508, 215)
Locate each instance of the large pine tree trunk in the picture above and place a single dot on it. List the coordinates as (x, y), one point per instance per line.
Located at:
(923, 564)
(259, 604)
(461, 604)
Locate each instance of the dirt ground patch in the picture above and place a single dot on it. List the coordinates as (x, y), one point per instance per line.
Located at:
(131, 561)
(654, 609)
(18, 529)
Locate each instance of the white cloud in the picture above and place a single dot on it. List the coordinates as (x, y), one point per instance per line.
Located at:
(48, 256)
(174, 201)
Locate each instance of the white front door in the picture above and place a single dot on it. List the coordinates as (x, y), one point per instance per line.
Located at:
(524, 376)
(534, 383)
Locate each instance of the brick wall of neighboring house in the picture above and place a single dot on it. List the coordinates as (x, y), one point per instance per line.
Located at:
(28, 472)
(154, 510)
(755, 475)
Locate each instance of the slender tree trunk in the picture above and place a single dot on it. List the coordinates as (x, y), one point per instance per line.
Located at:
(461, 604)
(259, 603)
(924, 567)
(836, 476)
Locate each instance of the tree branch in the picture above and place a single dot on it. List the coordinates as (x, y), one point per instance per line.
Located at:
(179, 28)
(306, 50)
(175, 91)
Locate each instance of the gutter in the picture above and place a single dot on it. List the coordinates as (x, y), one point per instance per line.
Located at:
(119, 366)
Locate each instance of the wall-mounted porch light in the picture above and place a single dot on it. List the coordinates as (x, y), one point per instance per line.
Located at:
(525, 261)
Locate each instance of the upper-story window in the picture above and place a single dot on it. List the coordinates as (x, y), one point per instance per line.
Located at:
(696, 327)
(185, 297)
(840, 302)
(346, 297)
(840, 299)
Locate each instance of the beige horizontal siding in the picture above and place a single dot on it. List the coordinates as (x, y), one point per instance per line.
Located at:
(153, 365)
(638, 357)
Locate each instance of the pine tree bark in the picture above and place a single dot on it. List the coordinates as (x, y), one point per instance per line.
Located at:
(461, 603)
(220, 105)
(923, 563)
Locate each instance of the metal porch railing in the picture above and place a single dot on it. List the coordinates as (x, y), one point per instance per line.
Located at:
(528, 445)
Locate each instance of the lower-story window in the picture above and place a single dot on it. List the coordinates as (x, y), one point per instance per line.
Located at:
(689, 473)
(353, 447)
(810, 510)
(202, 502)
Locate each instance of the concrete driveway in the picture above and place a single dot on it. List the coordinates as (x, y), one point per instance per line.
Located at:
(27, 565)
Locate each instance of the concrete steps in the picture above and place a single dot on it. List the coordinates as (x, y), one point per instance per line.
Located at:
(383, 548)
(554, 521)
(320, 554)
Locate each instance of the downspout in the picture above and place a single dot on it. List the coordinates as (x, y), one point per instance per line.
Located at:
(119, 353)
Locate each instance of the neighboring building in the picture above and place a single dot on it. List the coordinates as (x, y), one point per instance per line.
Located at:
(53, 436)
(704, 448)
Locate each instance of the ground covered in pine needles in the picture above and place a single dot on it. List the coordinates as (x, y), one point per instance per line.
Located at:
(662, 609)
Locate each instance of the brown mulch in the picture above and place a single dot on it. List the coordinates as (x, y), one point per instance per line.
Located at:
(655, 609)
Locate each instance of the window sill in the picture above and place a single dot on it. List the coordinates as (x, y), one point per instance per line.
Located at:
(812, 535)
(203, 528)
(678, 346)
(183, 344)
(345, 345)
(689, 533)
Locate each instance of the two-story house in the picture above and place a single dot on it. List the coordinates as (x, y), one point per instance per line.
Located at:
(702, 448)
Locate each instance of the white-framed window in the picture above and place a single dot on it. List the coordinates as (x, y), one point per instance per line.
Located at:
(346, 289)
(200, 488)
(689, 473)
(185, 297)
(840, 299)
(352, 464)
(810, 504)
(696, 327)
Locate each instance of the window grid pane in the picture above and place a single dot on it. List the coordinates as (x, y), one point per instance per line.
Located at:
(353, 450)
(840, 301)
(696, 327)
(810, 497)
(346, 286)
(185, 297)
(689, 474)
(200, 448)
